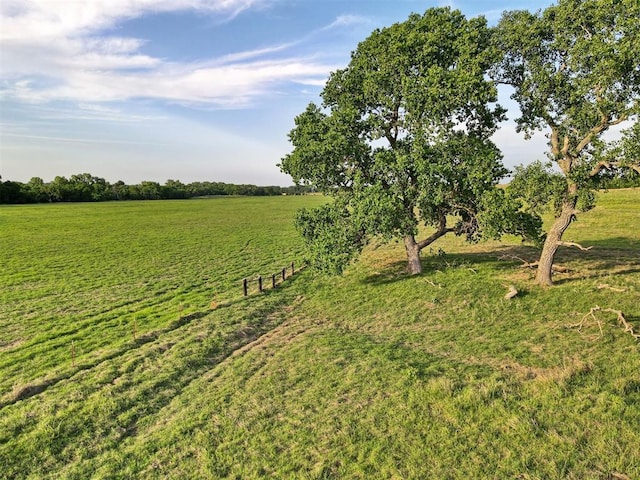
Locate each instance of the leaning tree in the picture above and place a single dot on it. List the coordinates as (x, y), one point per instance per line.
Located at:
(575, 70)
(402, 140)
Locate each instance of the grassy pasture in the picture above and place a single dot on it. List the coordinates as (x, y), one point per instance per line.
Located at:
(86, 273)
(374, 374)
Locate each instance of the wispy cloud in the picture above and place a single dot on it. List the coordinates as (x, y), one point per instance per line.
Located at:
(53, 50)
(346, 21)
(85, 141)
(227, 85)
(54, 19)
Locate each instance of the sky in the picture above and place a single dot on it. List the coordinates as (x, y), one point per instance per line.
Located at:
(191, 90)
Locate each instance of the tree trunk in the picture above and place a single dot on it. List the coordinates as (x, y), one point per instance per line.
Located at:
(414, 266)
(553, 241)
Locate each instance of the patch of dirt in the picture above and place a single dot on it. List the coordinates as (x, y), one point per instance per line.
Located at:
(569, 368)
(8, 346)
(22, 392)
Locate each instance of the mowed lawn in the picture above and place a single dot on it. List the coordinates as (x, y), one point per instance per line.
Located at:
(374, 374)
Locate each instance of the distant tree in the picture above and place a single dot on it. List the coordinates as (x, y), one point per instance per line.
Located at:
(174, 189)
(119, 191)
(150, 190)
(60, 190)
(85, 187)
(403, 140)
(14, 192)
(38, 190)
(575, 72)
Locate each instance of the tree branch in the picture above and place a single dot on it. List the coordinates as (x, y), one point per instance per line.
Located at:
(565, 147)
(604, 165)
(609, 287)
(525, 264)
(628, 328)
(605, 123)
(434, 236)
(511, 293)
(555, 142)
(587, 32)
(574, 244)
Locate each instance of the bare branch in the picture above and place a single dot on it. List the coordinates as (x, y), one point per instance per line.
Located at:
(525, 264)
(574, 244)
(628, 328)
(432, 284)
(559, 269)
(602, 165)
(434, 236)
(604, 124)
(619, 120)
(511, 293)
(609, 287)
(588, 33)
(555, 142)
(565, 147)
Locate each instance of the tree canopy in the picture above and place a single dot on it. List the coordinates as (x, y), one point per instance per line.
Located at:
(85, 187)
(402, 139)
(575, 72)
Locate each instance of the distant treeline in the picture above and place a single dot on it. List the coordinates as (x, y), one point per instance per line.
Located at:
(618, 178)
(85, 187)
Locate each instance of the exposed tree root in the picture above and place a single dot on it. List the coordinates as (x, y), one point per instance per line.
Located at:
(628, 328)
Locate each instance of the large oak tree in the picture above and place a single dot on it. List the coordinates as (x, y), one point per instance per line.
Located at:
(575, 70)
(402, 139)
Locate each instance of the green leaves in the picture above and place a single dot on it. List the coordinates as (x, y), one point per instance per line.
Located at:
(503, 213)
(574, 68)
(403, 137)
(540, 188)
(332, 237)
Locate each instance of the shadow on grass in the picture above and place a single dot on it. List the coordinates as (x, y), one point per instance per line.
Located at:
(502, 258)
(615, 243)
(603, 259)
(606, 257)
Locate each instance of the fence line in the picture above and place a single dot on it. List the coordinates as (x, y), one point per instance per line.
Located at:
(274, 283)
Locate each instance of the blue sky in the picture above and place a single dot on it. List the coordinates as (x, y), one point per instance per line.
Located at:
(193, 90)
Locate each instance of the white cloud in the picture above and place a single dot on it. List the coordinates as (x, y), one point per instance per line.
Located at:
(53, 19)
(52, 50)
(227, 85)
(346, 21)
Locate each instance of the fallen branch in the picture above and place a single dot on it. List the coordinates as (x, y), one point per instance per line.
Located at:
(511, 293)
(526, 264)
(515, 257)
(574, 244)
(609, 287)
(432, 284)
(628, 328)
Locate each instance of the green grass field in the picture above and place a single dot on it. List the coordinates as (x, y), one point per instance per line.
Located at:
(374, 374)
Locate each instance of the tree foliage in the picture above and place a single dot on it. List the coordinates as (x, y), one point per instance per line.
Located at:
(575, 72)
(402, 137)
(85, 187)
